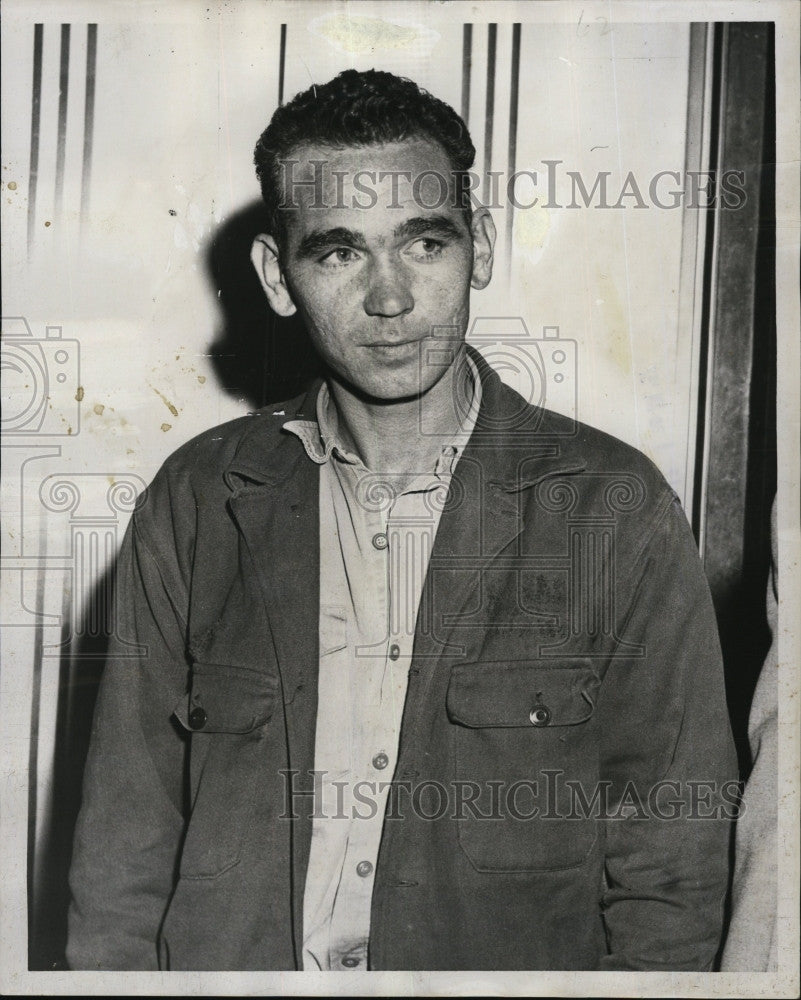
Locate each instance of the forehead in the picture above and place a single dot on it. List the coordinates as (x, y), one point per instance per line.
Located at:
(369, 188)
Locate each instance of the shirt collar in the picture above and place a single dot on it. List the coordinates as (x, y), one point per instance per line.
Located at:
(320, 438)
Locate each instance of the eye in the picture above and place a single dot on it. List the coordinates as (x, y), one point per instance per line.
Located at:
(339, 255)
(426, 247)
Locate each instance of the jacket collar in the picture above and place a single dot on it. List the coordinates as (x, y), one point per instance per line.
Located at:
(257, 460)
(517, 444)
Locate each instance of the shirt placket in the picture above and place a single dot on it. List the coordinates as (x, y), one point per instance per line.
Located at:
(375, 583)
(365, 798)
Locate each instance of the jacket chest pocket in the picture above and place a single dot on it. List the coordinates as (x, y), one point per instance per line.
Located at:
(228, 711)
(524, 751)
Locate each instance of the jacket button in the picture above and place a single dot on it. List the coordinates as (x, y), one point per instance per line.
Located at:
(350, 962)
(198, 718)
(380, 761)
(540, 715)
(380, 540)
(363, 869)
(394, 651)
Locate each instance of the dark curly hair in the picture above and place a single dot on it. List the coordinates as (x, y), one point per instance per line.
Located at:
(358, 109)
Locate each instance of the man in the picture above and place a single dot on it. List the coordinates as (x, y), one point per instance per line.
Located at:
(430, 677)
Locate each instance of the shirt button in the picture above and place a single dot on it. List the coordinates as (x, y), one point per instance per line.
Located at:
(350, 962)
(394, 651)
(198, 718)
(380, 540)
(363, 869)
(380, 761)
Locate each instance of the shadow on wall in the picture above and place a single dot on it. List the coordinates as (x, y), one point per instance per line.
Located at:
(80, 667)
(257, 356)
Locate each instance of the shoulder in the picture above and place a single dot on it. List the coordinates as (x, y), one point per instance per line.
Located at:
(571, 472)
(600, 452)
(596, 457)
(196, 475)
(207, 455)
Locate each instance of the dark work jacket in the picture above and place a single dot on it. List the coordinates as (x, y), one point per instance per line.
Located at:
(559, 799)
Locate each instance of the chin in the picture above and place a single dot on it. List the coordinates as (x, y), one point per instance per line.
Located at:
(381, 392)
(395, 394)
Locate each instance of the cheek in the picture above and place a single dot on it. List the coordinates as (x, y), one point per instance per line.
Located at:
(325, 313)
(445, 296)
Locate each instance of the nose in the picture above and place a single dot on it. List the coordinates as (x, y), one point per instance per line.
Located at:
(388, 293)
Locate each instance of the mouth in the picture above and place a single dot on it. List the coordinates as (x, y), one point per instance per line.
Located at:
(390, 344)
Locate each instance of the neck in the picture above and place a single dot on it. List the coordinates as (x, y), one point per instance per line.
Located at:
(396, 437)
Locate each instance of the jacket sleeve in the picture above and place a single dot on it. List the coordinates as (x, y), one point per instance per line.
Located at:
(129, 829)
(669, 758)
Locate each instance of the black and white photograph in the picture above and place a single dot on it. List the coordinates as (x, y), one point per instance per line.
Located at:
(401, 498)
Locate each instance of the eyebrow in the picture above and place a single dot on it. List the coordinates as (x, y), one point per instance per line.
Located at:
(423, 225)
(319, 241)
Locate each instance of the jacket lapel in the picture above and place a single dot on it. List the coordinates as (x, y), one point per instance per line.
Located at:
(481, 522)
(509, 451)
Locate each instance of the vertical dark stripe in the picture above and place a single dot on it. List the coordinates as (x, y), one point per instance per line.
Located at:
(88, 119)
(708, 286)
(36, 110)
(514, 97)
(63, 92)
(467, 63)
(281, 65)
(489, 112)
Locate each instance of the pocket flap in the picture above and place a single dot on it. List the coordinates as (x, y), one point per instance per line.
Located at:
(226, 699)
(521, 693)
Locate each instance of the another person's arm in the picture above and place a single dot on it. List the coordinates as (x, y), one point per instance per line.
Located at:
(751, 944)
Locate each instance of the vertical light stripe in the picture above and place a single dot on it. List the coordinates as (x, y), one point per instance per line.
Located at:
(514, 97)
(691, 266)
(478, 90)
(634, 387)
(36, 107)
(68, 231)
(88, 120)
(502, 91)
(489, 107)
(63, 96)
(707, 324)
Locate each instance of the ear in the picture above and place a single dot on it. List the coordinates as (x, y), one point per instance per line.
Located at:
(483, 232)
(264, 255)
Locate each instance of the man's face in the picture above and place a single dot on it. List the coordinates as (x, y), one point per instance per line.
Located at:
(374, 283)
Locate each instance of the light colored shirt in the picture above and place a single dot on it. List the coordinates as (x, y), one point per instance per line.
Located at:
(376, 537)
